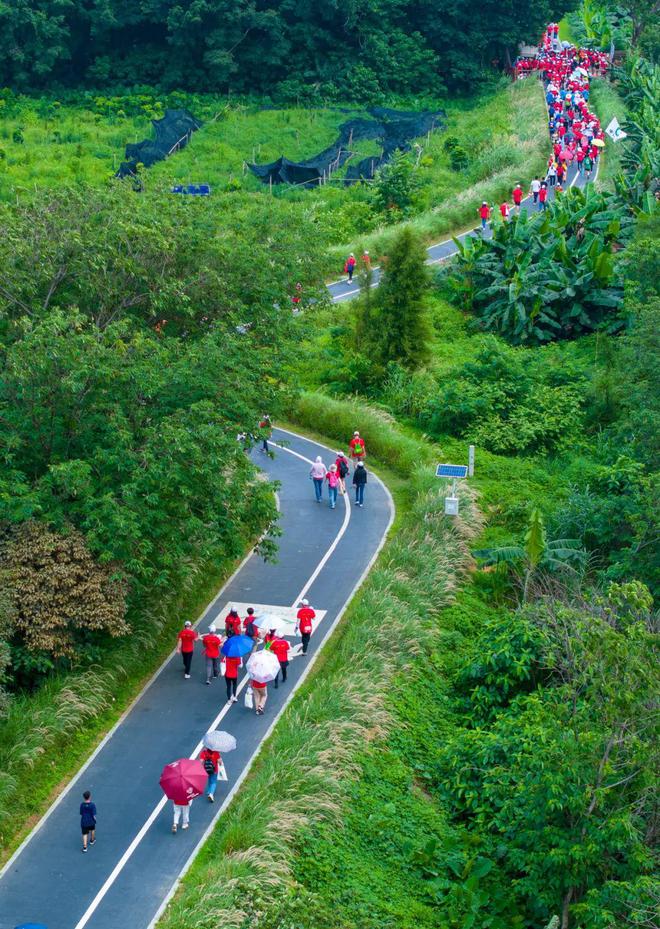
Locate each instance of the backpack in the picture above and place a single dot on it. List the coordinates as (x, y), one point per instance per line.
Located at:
(343, 468)
(209, 767)
(250, 629)
(358, 448)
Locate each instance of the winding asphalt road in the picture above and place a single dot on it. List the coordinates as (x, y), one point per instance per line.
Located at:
(342, 290)
(125, 880)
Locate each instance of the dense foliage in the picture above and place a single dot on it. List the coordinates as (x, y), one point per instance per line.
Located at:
(549, 277)
(358, 51)
(135, 346)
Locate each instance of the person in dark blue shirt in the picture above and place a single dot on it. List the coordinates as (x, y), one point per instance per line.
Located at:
(88, 820)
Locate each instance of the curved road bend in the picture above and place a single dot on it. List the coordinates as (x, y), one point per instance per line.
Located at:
(342, 290)
(122, 882)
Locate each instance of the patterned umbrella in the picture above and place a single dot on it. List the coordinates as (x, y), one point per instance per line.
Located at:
(219, 741)
(263, 666)
(183, 780)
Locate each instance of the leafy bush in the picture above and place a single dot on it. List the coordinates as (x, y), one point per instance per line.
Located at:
(551, 276)
(509, 403)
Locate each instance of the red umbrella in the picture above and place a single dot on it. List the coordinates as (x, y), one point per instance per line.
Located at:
(183, 780)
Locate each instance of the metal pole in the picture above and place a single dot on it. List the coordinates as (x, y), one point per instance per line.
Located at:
(471, 461)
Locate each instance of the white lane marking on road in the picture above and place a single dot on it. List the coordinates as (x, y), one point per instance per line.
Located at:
(299, 683)
(118, 868)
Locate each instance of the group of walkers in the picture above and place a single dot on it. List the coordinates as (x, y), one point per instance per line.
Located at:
(576, 133)
(335, 476)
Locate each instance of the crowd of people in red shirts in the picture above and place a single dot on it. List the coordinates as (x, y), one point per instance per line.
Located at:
(575, 131)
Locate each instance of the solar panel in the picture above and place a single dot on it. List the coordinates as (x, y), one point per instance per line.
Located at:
(195, 190)
(449, 470)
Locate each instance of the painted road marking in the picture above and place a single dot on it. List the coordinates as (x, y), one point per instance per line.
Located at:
(285, 615)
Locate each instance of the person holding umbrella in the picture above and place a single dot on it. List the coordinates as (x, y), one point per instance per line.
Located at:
(211, 761)
(359, 482)
(304, 621)
(212, 643)
(185, 646)
(262, 667)
(234, 649)
(182, 781)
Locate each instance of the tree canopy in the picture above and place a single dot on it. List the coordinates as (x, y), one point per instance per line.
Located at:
(351, 49)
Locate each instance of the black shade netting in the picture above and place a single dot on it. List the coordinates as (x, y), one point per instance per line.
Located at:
(173, 132)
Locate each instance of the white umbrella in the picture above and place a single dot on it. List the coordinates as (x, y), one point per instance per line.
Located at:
(263, 666)
(269, 621)
(219, 741)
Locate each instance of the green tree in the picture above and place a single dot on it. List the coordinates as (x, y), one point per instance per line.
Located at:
(536, 554)
(395, 185)
(402, 331)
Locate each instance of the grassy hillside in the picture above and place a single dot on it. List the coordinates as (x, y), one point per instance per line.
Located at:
(48, 143)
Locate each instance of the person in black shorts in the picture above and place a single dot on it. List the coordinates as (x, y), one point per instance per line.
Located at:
(88, 820)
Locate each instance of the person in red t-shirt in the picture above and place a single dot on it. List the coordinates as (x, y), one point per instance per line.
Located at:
(212, 642)
(259, 695)
(484, 213)
(504, 211)
(186, 646)
(517, 196)
(231, 678)
(543, 197)
(211, 761)
(232, 623)
(280, 647)
(357, 447)
(304, 623)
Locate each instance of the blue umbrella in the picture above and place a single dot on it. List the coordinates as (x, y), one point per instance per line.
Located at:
(237, 646)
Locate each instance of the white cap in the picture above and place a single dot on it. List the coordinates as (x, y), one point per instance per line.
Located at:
(305, 602)
(187, 624)
(211, 628)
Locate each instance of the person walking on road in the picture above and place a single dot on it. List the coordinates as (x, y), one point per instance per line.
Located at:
(343, 468)
(212, 642)
(517, 196)
(181, 814)
(87, 820)
(359, 482)
(232, 623)
(357, 447)
(543, 197)
(265, 431)
(332, 477)
(211, 761)
(484, 213)
(349, 267)
(186, 646)
(280, 648)
(535, 187)
(249, 628)
(259, 695)
(231, 677)
(304, 623)
(588, 166)
(505, 211)
(317, 473)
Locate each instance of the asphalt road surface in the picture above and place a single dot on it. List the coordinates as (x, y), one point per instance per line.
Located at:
(125, 879)
(342, 290)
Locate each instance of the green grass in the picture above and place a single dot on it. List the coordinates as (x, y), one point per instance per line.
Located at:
(73, 143)
(607, 103)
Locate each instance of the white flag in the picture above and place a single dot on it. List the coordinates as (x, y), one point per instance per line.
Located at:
(615, 132)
